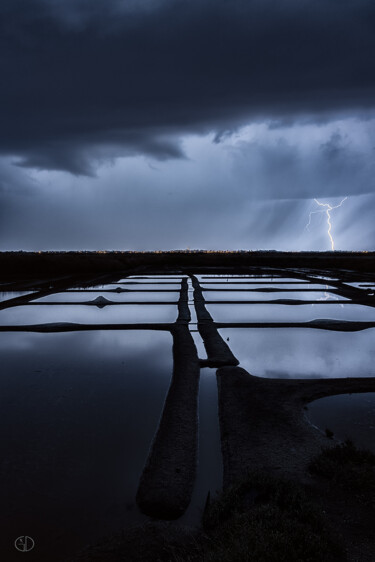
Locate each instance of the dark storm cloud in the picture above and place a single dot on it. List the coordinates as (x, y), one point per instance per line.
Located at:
(282, 169)
(85, 81)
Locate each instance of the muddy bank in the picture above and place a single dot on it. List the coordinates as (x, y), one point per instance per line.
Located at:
(168, 478)
(275, 508)
(75, 327)
(263, 423)
(218, 352)
(319, 324)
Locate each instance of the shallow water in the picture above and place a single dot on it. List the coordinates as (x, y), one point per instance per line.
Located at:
(246, 288)
(82, 296)
(262, 296)
(358, 284)
(289, 313)
(80, 409)
(79, 412)
(7, 295)
(253, 278)
(153, 277)
(141, 287)
(210, 472)
(303, 353)
(349, 416)
(26, 315)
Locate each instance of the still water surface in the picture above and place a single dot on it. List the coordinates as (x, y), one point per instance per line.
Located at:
(289, 313)
(23, 315)
(303, 353)
(349, 416)
(79, 410)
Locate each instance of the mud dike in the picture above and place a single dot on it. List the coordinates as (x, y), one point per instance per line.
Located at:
(262, 421)
(167, 481)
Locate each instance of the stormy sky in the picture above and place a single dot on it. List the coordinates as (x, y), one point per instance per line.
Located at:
(165, 124)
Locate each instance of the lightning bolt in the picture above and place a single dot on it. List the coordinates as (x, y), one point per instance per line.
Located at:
(330, 296)
(327, 209)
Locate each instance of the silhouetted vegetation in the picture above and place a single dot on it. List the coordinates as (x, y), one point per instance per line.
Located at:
(329, 433)
(261, 518)
(349, 468)
(265, 518)
(44, 264)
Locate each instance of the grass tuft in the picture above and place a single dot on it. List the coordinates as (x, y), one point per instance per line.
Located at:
(349, 468)
(266, 519)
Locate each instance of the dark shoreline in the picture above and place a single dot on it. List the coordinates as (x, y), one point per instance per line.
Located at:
(263, 422)
(14, 265)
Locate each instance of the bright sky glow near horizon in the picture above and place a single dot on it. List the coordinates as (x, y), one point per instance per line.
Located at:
(176, 124)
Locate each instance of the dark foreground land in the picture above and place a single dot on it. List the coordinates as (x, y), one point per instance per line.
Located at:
(47, 264)
(264, 518)
(284, 499)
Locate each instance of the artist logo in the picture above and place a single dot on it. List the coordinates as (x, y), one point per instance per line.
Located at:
(24, 543)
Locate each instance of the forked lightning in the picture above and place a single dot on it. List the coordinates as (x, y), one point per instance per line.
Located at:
(328, 208)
